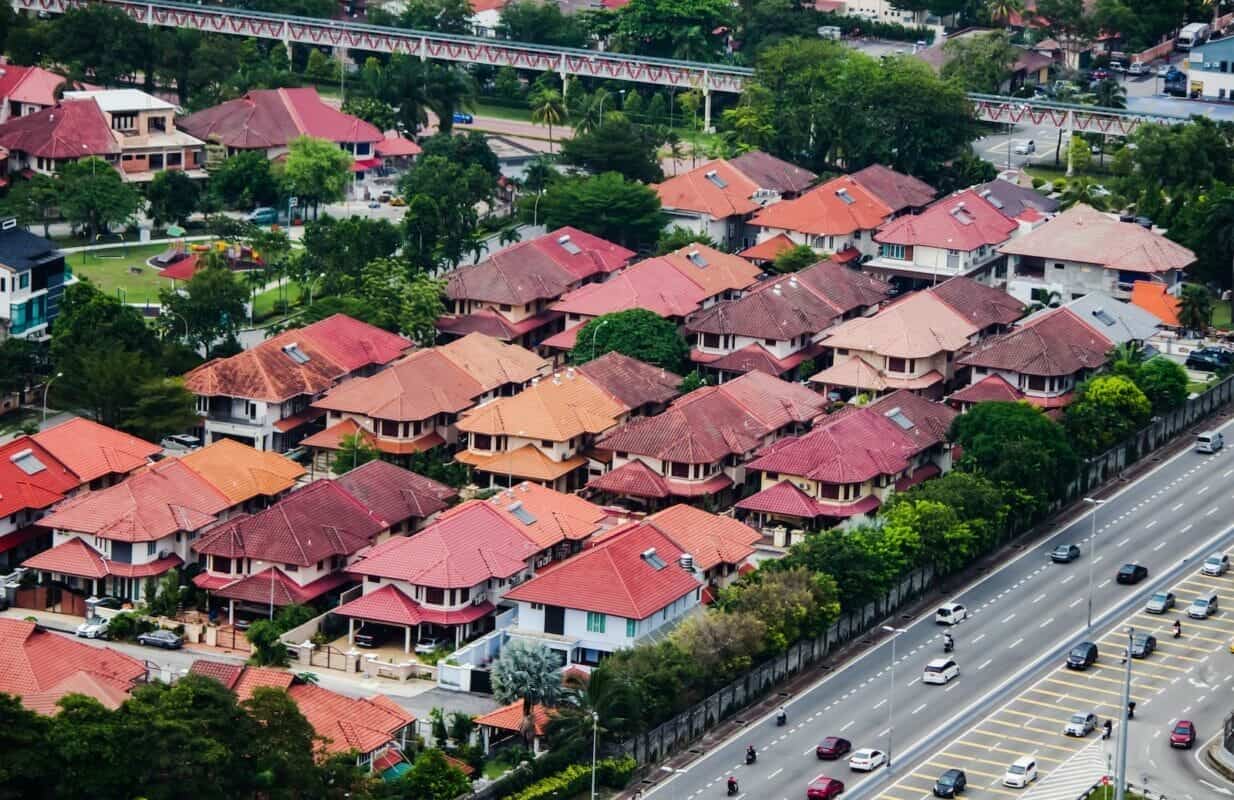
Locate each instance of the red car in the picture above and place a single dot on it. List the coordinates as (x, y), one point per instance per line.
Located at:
(824, 788)
(1183, 734)
(833, 747)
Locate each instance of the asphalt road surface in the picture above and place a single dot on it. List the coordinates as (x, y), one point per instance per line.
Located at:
(1024, 617)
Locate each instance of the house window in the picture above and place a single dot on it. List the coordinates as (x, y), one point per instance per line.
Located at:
(901, 365)
(1036, 383)
(251, 410)
(389, 428)
(464, 595)
(222, 564)
(595, 622)
(482, 441)
(537, 606)
(374, 579)
(151, 548)
(631, 628)
(830, 491)
(895, 251)
(711, 340)
(156, 161)
(174, 159)
(549, 444)
(291, 568)
(23, 280)
(679, 470)
(124, 122)
(435, 596)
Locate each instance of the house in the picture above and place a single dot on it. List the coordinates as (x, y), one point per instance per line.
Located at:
(913, 342)
(836, 216)
(262, 396)
(773, 175)
(1045, 357)
(776, 326)
(370, 727)
(903, 194)
(714, 199)
(698, 447)
(414, 404)
(1083, 250)
(396, 150)
(958, 235)
(617, 594)
(98, 455)
(110, 541)
(1016, 201)
(508, 295)
(32, 280)
(441, 586)
(269, 120)
(41, 667)
(506, 724)
(26, 90)
(1208, 70)
(1030, 67)
(559, 523)
(250, 479)
(671, 286)
(145, 128)
(719, 545)
(1156, 299)
(850, 462)
(544, 433)
(402, 500)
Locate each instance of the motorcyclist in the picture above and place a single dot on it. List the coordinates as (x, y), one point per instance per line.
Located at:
(1178, 629)
(751, 756)
(732, 785)
(781, 716)
(948, 642)
(1108, 727)
(1131, 710)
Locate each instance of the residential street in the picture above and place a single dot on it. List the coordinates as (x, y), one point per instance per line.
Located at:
(1025, 617)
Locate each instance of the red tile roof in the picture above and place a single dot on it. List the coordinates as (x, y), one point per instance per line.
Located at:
(75, 557)
(1088, 236)
(158, 501)
(768, 249)
(226, 674)
(335, 347)
(272, 585)
(786, 499)
(895, 189)
(964, 221)
(838, 207)
(653, 284)
(92, 450)
(30, 85)
(20, 490)
(392, 145)
(392, 606)
(537, 269)
(1057, 343)
(268, 118)
(394, 494)
(753, 358)
(731, 194)
(713, 422)
(317, 522)
(418, 387)
(712, 539)
(769, 172)
(510, 718)
(636, 479)
(492, 323)
(350, 723)
(41, 667)
(472, 543)
(614, 578)
(549, 517)
(632, 382)
(72, 130)
(989, 388)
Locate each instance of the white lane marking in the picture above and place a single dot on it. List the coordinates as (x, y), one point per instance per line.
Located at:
(1123, 542)
(1150, 525)
(1068, 578)
(1008, 618)
(1047, 622)
(777, 772)
(910, 683)
(979, 638)
(880, 704)
(1016, 643)
(1159, 546)
(1103, 584)
(985, 664)
(1175, 508)
(848, 725)
(1039, 598)
(1204, 489)
(1212, 511)
(1075, 603)
(918, 708)
(1186, 528)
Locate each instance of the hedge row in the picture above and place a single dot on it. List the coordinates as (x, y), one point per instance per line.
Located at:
(611, 772)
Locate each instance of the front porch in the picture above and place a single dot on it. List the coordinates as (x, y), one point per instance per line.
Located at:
(391, 612)
(79, 567)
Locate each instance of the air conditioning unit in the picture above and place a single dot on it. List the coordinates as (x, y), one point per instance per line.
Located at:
(516, 580)
(478, 600)
(543, 561)
(164, 554)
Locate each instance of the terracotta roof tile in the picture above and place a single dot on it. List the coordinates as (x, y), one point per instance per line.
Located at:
(1055, 344)
(655, 285)
(268, 118)
(494, 363)
(1088, 236)
(40, 667)
(393, 145)
(527, 462)
(769, 172)
(394, 494)
(242, 473)
(711, 538)
(492, 323)
(20, 490)
(768, 249)
(633, 479)
(555, 409)
(754, 358)
(224, 673)
(695, 191)
(332, 439)
(30, 85)
(392, 606)
(632, 382)
(858, 373)
(983, 306)
(549, 517)
(715, 272)
(349, 723)
(92, 450)
(75, 557)
(510, 718)
(826, 210)
(964, 221)
(1156, 299)
(418, 387)
(254, 677)
(272, 585)
(68, 131)
(989, 388)
(895, 189)
(784, 498)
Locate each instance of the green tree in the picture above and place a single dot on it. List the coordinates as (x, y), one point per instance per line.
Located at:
(527, 672)
(407, 303)
(793, 603)
(977, 502)
(637, 333)
(33, 201)
(161, 407)
(431, 777)
(353, 450)
(88, 317)
(1001, 11)
(1082, 190)
(268, 650)
(442, 16)
(548, 108)
(540, 23)
(980, 63)
(677, 237)
(1107, 409)
(441, 216)
(947, 542)
(1109, 93)
(101, 44)
(723, 645)
(661, 678)
(603, 702)
(372, 110)
(28, 769)
(282, 756)
(693, 380)
(1206, 225)
(211, 304)
(1195, 307)
(605, 205)
(1163, 382)
(795, 259)
(339, 249)
(470, 148)
(321, 68)
(1079, 156)
(673, 28)
(95, 197)
(616, 146)
(316, 171)
(173, 197)
(245, 180)
(23, 364)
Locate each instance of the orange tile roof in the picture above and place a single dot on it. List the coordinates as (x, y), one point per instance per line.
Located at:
(768, 249)
(1156, 299)
(510, 718)
(856, 372)
(92, 450)
(526, 462)
(555, 409)
(917, 326)
(823, 211)
(694, 191)
(493, 362)
(242, 473)
(711, 538)
(349, 723)
(556, 516)
(714, 271)
(253, 677)
(422, 385)
(41, 667)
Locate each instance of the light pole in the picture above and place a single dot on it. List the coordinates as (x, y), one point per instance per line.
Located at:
(313, 283)
(595, 331)
(595, 727)
(1092, 555)
(1120, 769)
(182, 319)
(891, 686)
(46, 387)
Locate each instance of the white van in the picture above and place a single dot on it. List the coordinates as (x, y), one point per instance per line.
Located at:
(1021, 773)
(1209, 442)
(940, 670)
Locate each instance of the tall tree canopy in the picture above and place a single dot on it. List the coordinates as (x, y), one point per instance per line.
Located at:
(606, 205)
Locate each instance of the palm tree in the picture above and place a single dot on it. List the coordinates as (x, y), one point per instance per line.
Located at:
(1083, 190)
(509, 235)
(1126, 358)
(590, 111)
(1195, 307)
(1051, 300)
(1109, 93)
(607, 702)
(547, 108)
(529, 672)
(1002, 10)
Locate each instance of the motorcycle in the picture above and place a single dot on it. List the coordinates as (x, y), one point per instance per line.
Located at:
(781, 719)
(751, 756)
(1106, 729)
(1131, 710)
(948, 644)
(732, 787)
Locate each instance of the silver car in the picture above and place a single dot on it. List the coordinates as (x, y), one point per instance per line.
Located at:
(93, 628)
(1160, 603)
(1080, 724)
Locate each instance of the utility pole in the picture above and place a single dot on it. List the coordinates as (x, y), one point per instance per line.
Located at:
(1120, 769)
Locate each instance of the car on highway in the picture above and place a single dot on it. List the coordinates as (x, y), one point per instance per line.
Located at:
(1160, 603)
(824, 788)
(832, 747)
(1132, 573)
(93, 628)
(1082, 656)
(1025, 148)
(940, 671)
(1081, 724)
(950, 783)
(461, 118)
(1021, 773)
(866, 759)
(1183, 734)
(168, 640)
(1203, 607)
(1216, 565)
(1065, 553)
(950, 613)
(1143, 645)
(1209, 442)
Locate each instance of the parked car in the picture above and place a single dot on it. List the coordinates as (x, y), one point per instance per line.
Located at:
(1065, 553)
(263, 216)
(1099, 74)
(823, 788)
(93, 628)
(1082, 656)
(867, 759)
(832, 747)
(370, 635)
(950, 613)
(940, 671)
(1203, 607)
(1021, 773)
(1183, 734)
(168, 640)
(1026, 148)
(1216, 565)
(462, 118)
(1160, 603)
(1081, 724)
(385, 196)
(1143, 645)
(1209, 359)
(950, 783)
(427, 644)
(1132, 573)
(398, 202)
(1136, 68)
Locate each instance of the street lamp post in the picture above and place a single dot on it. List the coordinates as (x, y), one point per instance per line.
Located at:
(46, 387)
(1092, 555)
(891, 686)
(595, 727)
(594, 333)
(1120, 769)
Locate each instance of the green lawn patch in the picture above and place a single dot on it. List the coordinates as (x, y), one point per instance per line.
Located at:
(502, 111)
(122, 269)
(1221, 314)
(263, 304)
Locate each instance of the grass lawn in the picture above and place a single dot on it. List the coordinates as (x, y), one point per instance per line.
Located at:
(264, 302)
(1221, 314)
(501, 112)
(122, 269)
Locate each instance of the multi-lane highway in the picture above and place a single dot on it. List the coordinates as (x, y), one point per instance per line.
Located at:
(1024, 617)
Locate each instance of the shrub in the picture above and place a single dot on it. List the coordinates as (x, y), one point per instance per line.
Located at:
(1059, 185)
(612, 772)
(1038, 182)
(126, 626)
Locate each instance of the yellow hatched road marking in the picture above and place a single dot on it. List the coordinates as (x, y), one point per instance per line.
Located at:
(1033, 742)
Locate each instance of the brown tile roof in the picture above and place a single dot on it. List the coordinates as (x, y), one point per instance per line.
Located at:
(654, 284)
(418, 387)
(510, 718)
(40, 667)
(858, 373)
(226, 674)
(1088, 236)
(92, 450)
(754, 357)
(332, 439)
(712, 539)
(897, 190)
(769, 172)
(242, 473)
(964, 221)
(275, 587)
(989, 388)
(729, 194)
(492, 323)
(493, 362)
(634, 383)
(826, 210)
(983, 306)
(715, 272)
(556, 409)
(549, 517)
(394, 494)
(1054, 344)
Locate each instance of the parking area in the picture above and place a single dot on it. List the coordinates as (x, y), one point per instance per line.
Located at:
(1032, 723)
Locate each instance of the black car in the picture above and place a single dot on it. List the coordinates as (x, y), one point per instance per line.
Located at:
(950, 783)
(1065, 553)
(1210, 359)
(1143, 645)
(1082, 656)
(370, 635)
(168, 640)
(1132, 573)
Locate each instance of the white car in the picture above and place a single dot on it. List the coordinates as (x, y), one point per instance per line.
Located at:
(1021, 773)
(1081, 724)
(950, 613)
(93, 628)
(1216, 565)
(866, 759)
(940, 670)
(1026, 148)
